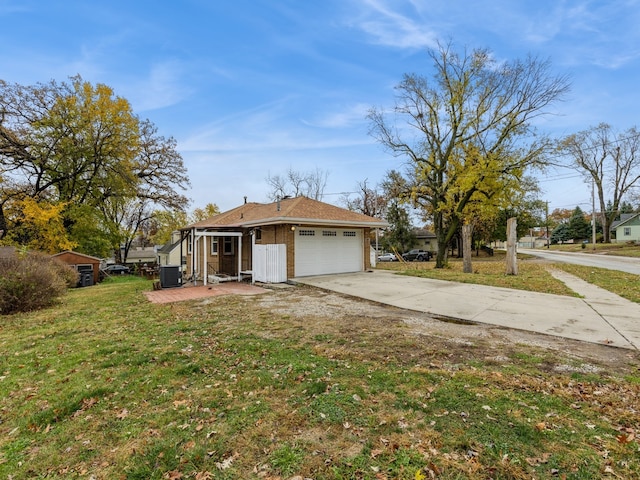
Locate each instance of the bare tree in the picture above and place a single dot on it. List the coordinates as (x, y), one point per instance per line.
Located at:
(368, 200)
(608, 160)
(295, 183)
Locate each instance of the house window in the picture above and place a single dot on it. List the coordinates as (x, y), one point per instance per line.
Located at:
(348, 234)
(258, 234)
(228, 246)
(306, 233)
(627, 231)
(189, 243)
(329, 233)
(214, 246)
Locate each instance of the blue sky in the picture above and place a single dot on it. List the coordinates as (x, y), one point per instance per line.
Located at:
(250, 88)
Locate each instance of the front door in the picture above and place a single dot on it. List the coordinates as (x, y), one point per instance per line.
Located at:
(228, 248)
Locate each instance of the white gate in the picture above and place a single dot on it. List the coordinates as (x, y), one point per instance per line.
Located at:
(269, 263)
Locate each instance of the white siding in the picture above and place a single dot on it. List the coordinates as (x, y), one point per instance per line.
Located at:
(320, 251)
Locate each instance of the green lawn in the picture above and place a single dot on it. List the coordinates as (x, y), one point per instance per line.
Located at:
(106, 385)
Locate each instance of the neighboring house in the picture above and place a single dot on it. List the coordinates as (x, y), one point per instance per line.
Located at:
(293, 237)
(142, 255)
(170, 253)
(426, 240)
(627, 228)
(81, 263)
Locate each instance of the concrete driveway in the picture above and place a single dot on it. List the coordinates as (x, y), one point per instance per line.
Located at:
(599, 317)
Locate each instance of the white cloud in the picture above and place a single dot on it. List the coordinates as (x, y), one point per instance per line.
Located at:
(348, 117)
(391, 28)
(161, 88)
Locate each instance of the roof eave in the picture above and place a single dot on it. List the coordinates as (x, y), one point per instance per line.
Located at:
(313, 221)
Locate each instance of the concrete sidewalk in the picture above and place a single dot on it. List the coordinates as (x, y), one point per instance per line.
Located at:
(599, 317)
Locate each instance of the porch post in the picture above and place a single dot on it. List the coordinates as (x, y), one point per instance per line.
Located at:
(193, 253)
(205, 253)
(240, 258)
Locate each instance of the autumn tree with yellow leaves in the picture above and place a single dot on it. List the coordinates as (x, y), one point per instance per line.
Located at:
(466, 133)
(79, 150)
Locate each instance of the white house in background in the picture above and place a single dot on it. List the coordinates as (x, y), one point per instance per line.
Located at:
(627, 228)
(170, 253)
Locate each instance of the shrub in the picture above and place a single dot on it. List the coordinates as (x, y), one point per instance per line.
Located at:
(32, 280)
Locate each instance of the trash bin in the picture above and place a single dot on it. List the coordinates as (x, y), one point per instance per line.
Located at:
(86, 279)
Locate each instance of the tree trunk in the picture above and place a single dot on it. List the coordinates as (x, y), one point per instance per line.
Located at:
(3, 222)
(466, 248)
(443, 237)
(441, 240)
(512, 239)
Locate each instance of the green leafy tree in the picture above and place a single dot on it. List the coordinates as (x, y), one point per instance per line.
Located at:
(467, 132)
(399, 236)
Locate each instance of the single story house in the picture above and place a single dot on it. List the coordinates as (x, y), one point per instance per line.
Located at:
(82, 264)
(142, 255)
(627, 227)
(426, 240)
(275, 242)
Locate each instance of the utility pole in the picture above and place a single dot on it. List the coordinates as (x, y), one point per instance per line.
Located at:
(546, 221)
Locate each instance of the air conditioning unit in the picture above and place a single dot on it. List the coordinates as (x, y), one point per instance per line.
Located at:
(170, 276)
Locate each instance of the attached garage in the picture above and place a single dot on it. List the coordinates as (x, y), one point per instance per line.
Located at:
(320, 251)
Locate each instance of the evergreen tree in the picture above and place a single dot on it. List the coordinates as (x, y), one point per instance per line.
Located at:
(579, 227)
(561, 234)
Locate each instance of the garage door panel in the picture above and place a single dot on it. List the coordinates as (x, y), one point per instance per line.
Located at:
(321, 251)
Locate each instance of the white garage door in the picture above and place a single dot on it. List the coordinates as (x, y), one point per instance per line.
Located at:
(319, 251)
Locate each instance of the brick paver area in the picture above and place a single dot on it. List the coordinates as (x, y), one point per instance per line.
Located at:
(168, 295)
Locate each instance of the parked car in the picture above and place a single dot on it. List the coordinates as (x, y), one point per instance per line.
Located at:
(117, 269)
(417, 255)
(387, 257)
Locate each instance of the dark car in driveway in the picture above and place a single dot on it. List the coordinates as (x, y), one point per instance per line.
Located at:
(417, 255)
(116, 270)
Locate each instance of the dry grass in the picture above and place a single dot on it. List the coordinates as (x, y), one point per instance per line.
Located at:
(109, 386)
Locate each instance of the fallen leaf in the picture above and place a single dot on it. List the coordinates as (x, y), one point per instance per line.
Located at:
(625, 438)
(189, 445)
(204, 476)
(174, 475)
(226, 463)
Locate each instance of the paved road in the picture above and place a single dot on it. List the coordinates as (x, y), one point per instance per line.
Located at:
(623, 264)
